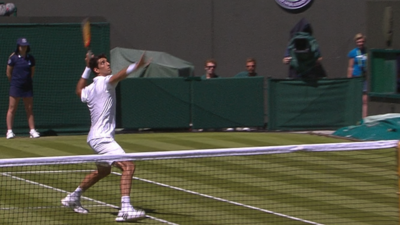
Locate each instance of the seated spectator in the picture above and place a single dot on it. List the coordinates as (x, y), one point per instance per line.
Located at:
(250, 69)
(210, 66)
(250, 72)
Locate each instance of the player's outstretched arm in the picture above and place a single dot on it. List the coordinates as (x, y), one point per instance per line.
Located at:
(130, 69)
(82, 83)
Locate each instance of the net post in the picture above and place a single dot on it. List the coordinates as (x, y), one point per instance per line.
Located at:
(398, 175)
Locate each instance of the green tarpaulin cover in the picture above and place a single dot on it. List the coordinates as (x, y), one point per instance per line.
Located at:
(374, 128)
(162, 64)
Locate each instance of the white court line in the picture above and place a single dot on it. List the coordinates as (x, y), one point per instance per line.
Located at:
(224, 200)
(49, 207)
(8, 174)
(160, 184)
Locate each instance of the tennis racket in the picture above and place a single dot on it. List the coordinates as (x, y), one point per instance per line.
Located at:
(86, 35)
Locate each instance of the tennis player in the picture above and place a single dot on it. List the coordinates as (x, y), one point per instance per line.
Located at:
(101, 100)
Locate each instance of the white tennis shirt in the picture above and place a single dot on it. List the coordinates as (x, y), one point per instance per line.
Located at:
(101, 100)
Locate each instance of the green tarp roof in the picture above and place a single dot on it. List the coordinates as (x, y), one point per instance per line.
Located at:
(162, 64)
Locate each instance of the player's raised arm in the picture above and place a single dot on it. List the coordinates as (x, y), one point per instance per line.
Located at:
(82, 83)
(130, 69)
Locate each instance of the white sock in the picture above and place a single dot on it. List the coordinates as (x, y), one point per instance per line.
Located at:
(32, 130)
(126, 202)
(8, 131)
(78, 192)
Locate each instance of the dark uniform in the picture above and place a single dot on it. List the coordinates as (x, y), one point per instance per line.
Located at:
(21, 80)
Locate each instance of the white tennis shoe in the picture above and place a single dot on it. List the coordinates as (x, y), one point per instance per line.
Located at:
(34, 134)
(130, 214)
(10, 134)
(74, 203)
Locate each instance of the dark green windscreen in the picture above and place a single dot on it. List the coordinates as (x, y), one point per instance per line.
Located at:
(311, 105)
(59, 53)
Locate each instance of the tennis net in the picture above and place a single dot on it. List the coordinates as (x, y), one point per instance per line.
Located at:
(338, 183)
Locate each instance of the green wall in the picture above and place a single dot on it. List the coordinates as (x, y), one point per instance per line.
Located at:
(314, 104)
(179, 102)
(59, 53)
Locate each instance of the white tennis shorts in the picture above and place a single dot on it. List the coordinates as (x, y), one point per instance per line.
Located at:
(105, 146)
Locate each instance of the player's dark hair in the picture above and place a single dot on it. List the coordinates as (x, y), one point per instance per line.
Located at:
(94, 62)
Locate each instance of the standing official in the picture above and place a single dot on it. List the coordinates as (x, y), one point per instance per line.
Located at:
(20, 70)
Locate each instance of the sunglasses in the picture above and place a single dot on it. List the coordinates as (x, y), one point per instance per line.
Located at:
(251, 66)
(209, 67)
